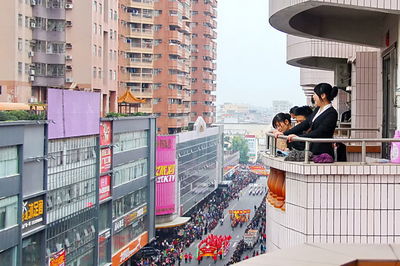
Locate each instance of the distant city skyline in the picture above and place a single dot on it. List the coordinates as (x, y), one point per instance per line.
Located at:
(251, 62)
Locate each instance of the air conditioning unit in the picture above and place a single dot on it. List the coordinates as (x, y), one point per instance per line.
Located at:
(31, 53)
(33, 24)
(68, 45)
(69, 80)
(342, 75)
(33, 2)
(68, 57)
(68, 23)
(33, 100)
(31, 78)
(68, 67)
(32, 72)
(69, 6)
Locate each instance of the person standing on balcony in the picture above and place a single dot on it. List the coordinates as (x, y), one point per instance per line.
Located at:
(322, 122)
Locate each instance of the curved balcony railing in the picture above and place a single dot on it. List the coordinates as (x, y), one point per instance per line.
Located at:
(272, 142)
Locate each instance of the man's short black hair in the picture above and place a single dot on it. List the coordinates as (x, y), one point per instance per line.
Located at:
(293, 109)
(304, 111)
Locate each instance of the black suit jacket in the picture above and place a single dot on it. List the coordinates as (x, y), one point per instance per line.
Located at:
(323, 127)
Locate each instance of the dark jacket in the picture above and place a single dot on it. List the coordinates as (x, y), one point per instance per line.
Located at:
(323, 127)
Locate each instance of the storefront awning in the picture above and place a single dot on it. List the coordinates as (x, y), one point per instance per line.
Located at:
(174, 223)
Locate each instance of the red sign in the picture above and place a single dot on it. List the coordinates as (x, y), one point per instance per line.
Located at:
(105, 133)
(129, 250)
(104, 187)
(105, 160)
(58, 259)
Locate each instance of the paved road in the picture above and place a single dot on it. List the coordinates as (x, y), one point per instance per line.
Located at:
(245, 202)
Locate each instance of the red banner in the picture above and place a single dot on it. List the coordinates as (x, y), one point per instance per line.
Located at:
(104, 187)
(105, 160)
(105, 133)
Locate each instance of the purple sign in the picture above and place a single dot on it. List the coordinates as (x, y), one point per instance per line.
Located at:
(73, 113)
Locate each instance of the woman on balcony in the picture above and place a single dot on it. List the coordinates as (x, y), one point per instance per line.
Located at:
(321, 123)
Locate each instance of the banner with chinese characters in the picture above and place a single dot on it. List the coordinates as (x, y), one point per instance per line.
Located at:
(104, 187)
(32, 213)
(165, 175)
(105, 160)
(105, 133)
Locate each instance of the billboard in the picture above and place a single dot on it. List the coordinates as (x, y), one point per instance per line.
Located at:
(58, 259)
(252, 144)
(32, 213)
(72, 113)
(124, 254)
(105, 160)
(165, 175)
(105, 133)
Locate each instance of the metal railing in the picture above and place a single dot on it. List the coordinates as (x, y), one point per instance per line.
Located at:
(272, 142)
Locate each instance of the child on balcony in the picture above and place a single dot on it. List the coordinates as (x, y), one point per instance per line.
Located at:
(322, 121)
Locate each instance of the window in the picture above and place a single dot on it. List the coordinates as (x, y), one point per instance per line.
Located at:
(130, 141)
(40, 69)
(114, 75)
(8, 212)
(94, 71)
(95, 28)
(55, 70)
(27, 67)
(55, 3)
(55, 25)
(94, 49)
(19, 44)
(100, 29)
(100, 51)
(95, 5)
(100, 8)
(8, 161)
(9, 256)
(40, 23)
(110, 74)
(20, 67)
(130, 171)
(55, 48)
(111, 34)
(100, 73)
(115, 15)
(27, 20)
(111, 13)
(129, 202)
(20, 19)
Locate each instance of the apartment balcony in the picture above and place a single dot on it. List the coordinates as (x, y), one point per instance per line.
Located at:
(146, 4)
(175, 108)
(175, 49)
(174, 93)
(333, 202)
(177, 79)
(146, 108)
(357, 22)
(175, 35)
(175, 21)
(178, 121)
(140, 18)
(138, 62)
(141, 93)
(176, 64)
(176, 6)
(145, 47)
(209, 108)
(140, 33)
(319, 54)
(139, 77)
(214, 24)
(187, 97)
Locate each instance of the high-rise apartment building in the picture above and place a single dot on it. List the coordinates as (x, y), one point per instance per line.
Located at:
(204, 53)
(59, 44)
(162, 51)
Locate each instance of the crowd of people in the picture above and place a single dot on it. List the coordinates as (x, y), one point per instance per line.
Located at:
(171, 242)
(257, 223)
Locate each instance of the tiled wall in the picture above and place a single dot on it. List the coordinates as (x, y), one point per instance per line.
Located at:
(338, 203)
(364, 95)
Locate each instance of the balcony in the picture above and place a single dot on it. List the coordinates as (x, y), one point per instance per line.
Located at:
(177, 79)
(140, 33)
(175, 35)
(175, 108)
(178, 121)
(324, 55)
(147, 4)
(174, 93)
(175, 49)
(357, 22)
(140, 18)
(139, 77)
(144, 47)
(141, 93)
(175, 21)
(139, 62)
(336, 202)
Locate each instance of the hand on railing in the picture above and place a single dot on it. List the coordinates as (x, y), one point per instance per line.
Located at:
(291, 136)
(277, 134)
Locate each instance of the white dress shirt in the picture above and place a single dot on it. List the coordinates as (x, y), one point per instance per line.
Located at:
(321, 110)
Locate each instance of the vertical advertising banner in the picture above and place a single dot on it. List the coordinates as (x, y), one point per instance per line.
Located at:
(105, 133)
(104, 187)
(165, 175)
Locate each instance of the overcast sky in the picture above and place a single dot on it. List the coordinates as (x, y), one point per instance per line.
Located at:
(251, 59)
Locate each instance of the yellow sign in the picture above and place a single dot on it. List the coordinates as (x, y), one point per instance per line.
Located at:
(32, 210)
(165, 170)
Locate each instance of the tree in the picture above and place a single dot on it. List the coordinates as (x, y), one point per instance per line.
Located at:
(240, 144)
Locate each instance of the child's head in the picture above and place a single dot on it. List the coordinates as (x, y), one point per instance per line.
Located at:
(282, 122)
(302, 113)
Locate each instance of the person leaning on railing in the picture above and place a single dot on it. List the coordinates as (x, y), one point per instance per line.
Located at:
(321, 122)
